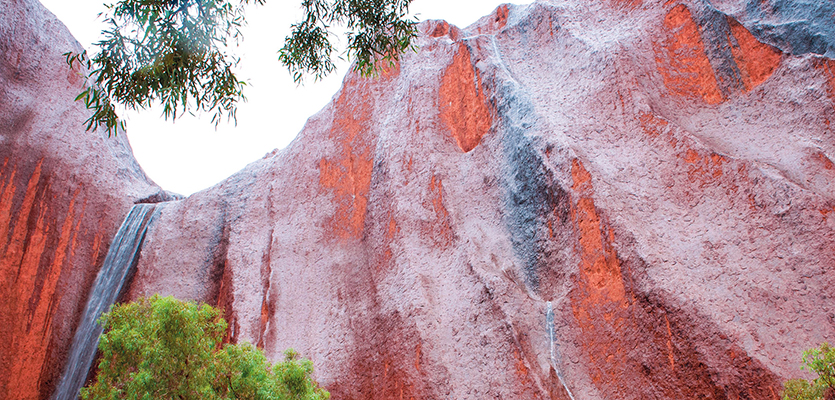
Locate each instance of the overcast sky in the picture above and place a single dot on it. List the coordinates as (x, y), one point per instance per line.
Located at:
(190, 155)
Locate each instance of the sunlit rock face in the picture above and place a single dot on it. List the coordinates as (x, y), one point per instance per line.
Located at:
(63, 193)
(604, 200)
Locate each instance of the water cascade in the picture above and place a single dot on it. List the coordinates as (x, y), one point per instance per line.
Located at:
(118, 266)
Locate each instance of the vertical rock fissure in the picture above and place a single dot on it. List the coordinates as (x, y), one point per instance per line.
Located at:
(110, 282)
(266, 278)
(549, 321)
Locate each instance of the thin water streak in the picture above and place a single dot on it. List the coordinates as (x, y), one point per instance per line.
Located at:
(549, 320)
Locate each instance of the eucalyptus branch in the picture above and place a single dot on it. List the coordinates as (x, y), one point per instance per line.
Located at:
(157, 52)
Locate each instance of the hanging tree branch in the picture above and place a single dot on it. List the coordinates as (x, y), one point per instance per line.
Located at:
(175, 52)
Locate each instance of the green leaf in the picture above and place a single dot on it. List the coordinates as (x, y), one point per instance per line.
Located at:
(83, 94)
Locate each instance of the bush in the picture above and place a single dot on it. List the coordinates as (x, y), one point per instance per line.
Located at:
(163, 348)
(822, 362)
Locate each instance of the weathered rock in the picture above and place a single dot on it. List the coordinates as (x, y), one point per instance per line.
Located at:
(621, 200)
(63, 193)
(624, 200)
(793, 26)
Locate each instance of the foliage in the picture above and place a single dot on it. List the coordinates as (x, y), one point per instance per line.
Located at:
(377, 29)
(163, 348)
(800, 389)
(821, 361)
(176, 52)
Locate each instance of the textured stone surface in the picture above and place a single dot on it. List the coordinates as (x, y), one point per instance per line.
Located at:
(620, 199)
(63, 194)
(793, 26)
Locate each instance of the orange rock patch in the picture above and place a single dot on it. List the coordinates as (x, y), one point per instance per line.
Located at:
(599, 304)
(502, 12)
(756, 61)
(438, 29)
(703, 169)
(463, 106)
(652, 125)
(682, 61)
(495, 22)
(823, 160)
(599, 267)
(827, 67)
(35, 245)
(348, 173)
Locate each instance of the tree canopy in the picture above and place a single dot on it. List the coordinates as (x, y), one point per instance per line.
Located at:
(163, 348)
(176, 52)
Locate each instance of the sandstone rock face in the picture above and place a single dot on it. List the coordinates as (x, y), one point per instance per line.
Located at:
(63, 194)
(588, 200)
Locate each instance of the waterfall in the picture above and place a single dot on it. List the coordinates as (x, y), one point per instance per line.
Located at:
(118, 266)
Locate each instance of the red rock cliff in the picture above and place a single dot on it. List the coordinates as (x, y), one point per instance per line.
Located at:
(620, 200)
(63, 194)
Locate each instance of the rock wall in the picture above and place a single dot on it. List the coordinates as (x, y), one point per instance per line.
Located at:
(63, 194)
(623, 199)
(618, 199)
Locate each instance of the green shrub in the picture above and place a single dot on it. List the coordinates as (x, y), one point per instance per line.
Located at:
(163, 348)
(821, 361)
(801, 389)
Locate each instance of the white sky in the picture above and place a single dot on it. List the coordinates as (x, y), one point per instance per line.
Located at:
(190, 155)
